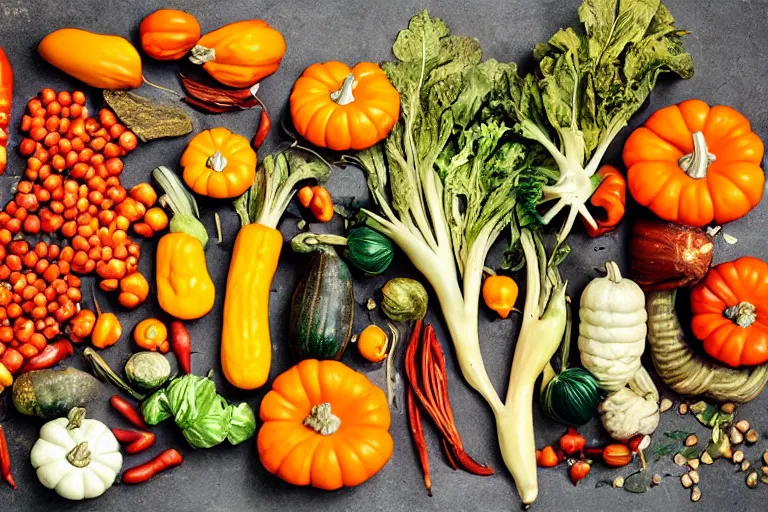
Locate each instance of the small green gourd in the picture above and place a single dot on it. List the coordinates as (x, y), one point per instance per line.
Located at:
(147, 371)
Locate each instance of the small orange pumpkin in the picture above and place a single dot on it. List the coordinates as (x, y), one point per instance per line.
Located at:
(218, 163)
(325, 425)
(168, 34)
(335, 107)
(241, 53)
(692, 164)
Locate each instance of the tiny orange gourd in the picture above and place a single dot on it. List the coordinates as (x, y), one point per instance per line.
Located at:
(241, 53)
(219, 164)
(168, 34)
(335, 107)
(324, 425)
(692, 164)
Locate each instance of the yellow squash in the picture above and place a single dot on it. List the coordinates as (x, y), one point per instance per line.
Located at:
(184, 288)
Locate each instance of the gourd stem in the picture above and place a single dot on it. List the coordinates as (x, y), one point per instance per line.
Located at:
(201, 55)
(75, 417)
(344, 95)
(614, 274)
(80, 455)
(322, 420)
(308, 242)
(696, 164)
(565, 352)
(216, 162)
(742, 314)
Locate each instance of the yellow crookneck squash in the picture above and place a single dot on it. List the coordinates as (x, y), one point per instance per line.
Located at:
(184, 287)
(246, 347)
(241, 53)
(101, 61)
(325, 425)
(335, 107)
(219, 164)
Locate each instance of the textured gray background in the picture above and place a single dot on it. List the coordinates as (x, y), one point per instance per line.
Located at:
(728, 45)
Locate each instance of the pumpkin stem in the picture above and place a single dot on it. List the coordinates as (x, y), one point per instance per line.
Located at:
(80, 456)
(344, 95)
(201, 55)
(614, 274)
(216, 161)
(322, 420)
(742, 314)
(696, 164)
(75, 417)
(308, 242)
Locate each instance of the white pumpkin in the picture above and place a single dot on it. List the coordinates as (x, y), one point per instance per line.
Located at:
(612, 328)
(79, 458)
(625, 413)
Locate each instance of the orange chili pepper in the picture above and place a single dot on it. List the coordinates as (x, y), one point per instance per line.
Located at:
(144, 193)
(156, 218)
(151, 334)
(109, 285)
(107, 329)
(134, 289)
(304, 196)
(372, 343)
(611, 196)
(81, 326)
(6, 379)
(548, 458)
(321, 205)
(500, 294)
(6, 295)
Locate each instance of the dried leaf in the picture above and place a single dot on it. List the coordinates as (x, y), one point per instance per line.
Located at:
(148, 120)
(637, 482)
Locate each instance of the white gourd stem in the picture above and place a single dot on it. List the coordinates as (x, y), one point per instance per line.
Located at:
(614, 274)
(216, 162)
(344, 95)
(322, 420)
(696, 164)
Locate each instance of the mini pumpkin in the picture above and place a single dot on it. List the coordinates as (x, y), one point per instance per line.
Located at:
(335, 107)
(79, 458)
(219, 164)
(692, 164)
(325, 425)
(728, 309)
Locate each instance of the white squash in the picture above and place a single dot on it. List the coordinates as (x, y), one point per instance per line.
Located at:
(633, 410)
(78, 457)
(612, 328)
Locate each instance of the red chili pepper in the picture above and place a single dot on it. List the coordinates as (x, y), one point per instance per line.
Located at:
(128, 411)
(52, 354)
(136, 441)
(578, 470)
(181, 345)
(611, 196)
(5, 460)
(265, 124)
(547, 457)
(166, 460)
(572, 442)
(6, 96)
(417, 431)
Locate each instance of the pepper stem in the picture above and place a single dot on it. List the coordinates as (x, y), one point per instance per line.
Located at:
(216, 161)
(742, 314)
(80, 456)
(322, 420)
(344, 96)
(614, 274)
(696, 164)
(201, 55)
(75, 417)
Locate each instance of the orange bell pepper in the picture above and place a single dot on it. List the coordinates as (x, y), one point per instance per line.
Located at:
(611, 196)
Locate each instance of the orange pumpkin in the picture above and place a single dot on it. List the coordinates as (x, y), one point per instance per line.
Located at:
(325, 425)
(730, 312)
(693, 164)
(335, 107)
(218, 163)
(101, 61)
(168, 34)
(240, 54)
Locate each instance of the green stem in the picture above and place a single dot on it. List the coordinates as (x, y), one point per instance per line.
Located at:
(696, 164)
(308, 242)
(344, 96)
(102, 370)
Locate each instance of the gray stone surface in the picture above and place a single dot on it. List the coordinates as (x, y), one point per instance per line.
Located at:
(728, 45)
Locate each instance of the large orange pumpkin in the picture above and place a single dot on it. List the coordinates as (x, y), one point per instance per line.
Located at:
(693, 164)
(218, 163)
(730, 312)
(241, 53)
(335, 107)
(325, 425)
(168, 34)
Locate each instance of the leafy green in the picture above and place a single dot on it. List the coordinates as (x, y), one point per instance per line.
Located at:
(205, 417)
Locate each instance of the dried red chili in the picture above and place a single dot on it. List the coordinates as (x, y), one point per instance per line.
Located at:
(417, 429)
(181, 345)
(135, 441)
(166, 460)
(128, 411)
(5, 460)
(219, 98)
(265, 124)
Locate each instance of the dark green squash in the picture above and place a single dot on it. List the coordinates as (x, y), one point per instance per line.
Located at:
(571, 397)
(323, 306)
(369, 251)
